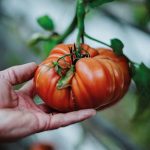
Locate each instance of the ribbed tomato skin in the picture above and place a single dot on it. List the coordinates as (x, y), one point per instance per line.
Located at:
(98, 82)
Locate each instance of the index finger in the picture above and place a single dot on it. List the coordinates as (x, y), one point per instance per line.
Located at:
(62, 120)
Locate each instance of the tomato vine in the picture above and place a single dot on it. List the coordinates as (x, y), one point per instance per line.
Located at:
(140, 72)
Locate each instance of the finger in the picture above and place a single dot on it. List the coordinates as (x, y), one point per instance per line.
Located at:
(8, 97)
(29, 88)
(62, 120)
(19, 74)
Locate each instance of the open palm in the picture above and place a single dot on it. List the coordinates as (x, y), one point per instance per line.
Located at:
(19, 115)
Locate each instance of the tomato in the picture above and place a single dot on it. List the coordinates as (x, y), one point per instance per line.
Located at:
(98, 81)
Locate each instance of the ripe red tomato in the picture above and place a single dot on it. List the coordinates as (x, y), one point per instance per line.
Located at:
(98, 81)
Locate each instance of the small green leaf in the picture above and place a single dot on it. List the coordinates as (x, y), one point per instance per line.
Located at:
(96, 3)
(46, 22)
(117, 46)
(141, 77)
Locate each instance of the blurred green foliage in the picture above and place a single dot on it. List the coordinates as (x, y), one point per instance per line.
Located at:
(141, 77)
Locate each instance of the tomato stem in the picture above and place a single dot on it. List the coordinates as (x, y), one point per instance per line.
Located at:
(74, 56)
(71, 52)
(91, 38)
(80, 22)
(63, 57)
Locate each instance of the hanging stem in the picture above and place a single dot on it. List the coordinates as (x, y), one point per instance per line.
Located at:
(91, 38)
(63, 57)
(80, 22)
(82, 38)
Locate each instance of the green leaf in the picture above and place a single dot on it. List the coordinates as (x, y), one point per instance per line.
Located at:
(46, 22)
(141, 77)
(96, 3)
(117, 46)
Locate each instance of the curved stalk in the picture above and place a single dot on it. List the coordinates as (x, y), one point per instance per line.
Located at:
(91, 38)
(63, 57)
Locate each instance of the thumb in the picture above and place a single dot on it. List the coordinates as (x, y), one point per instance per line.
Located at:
(19, 74)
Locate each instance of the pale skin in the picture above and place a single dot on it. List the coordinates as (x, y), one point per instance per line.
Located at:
(19, 115)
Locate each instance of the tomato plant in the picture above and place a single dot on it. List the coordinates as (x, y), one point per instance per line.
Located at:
(94, 78)
(66, 71)
(77, 76)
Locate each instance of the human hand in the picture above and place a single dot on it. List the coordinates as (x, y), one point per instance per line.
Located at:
(19, 115)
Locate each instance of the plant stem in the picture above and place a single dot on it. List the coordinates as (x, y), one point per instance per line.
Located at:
(63, 57)
(57, 39)
(91, 38)
(82, 38)
(80, 22)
